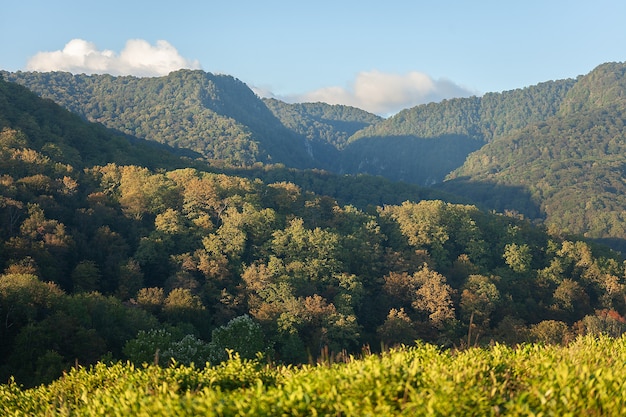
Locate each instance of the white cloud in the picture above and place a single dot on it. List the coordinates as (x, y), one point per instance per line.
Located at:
(386, 93)
(137, 58)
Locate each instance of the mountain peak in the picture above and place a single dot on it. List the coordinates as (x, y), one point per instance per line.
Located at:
(602, 87)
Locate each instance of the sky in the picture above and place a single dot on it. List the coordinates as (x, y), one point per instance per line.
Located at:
(381, 56)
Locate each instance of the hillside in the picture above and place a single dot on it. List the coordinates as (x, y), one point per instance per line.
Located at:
(216, 116)
(479, 118)
(541, 140)
(425, 143)
(107, 259)
(569, 167)
(333, 124)
(62, 137)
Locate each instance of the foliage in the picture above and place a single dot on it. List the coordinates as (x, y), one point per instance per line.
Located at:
(97, 252)
(584, 378)
(241, 335)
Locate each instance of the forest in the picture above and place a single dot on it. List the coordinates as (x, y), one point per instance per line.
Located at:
(551, 152)
(116, 248)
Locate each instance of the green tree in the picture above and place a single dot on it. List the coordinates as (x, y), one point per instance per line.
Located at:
(148, 346)
(550, 332)
(479, 300)
(182, 306)
(24, 299)
(130, 280)
(310, 256)
(571, 298)
(151, 299)
(86, 277)
(241, 335)
(518, 257)
(398, 328)
(142, 192)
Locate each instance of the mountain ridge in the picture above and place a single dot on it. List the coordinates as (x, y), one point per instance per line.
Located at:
(468, 146)
(186, 109)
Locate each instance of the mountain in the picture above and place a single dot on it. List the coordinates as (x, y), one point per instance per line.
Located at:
(217, 116)
(333, 124)
(423, 144)
(221, 119)
(570, 168)
(62, 137)
(479, 118)
(602, 88)
(549, 151)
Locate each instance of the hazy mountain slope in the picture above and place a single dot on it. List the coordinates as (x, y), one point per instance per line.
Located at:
(333, 124)
(217, 116)
(479, 118)
(423, 144)
(220, 118)
(572, 165)
(423, 161)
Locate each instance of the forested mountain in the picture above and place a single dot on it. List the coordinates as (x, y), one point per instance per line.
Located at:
(222, 120)
(569, 168)
(217, 116)
(424, 143)
(604, 87)
(58, 136)
(480, 118)
(104, 258)
(333, 124)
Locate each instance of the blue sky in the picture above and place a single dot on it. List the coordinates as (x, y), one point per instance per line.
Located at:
(378, 55)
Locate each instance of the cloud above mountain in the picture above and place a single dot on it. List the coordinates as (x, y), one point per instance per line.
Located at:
(378, 92)
(384, 93)
(138, 58)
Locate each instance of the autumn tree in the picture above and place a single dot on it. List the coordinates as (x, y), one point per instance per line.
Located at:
(434, 297)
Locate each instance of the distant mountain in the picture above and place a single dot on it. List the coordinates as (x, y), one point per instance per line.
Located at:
(479, 118)
(424, 143)
(52, 135)
(333, 124)
(570, 168)
(221, 119)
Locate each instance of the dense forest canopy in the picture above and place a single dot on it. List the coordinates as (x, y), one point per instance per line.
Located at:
(112, 249)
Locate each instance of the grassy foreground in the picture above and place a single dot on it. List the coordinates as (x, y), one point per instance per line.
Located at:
(587, 377)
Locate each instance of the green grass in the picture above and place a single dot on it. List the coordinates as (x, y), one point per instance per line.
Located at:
(583, 378)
